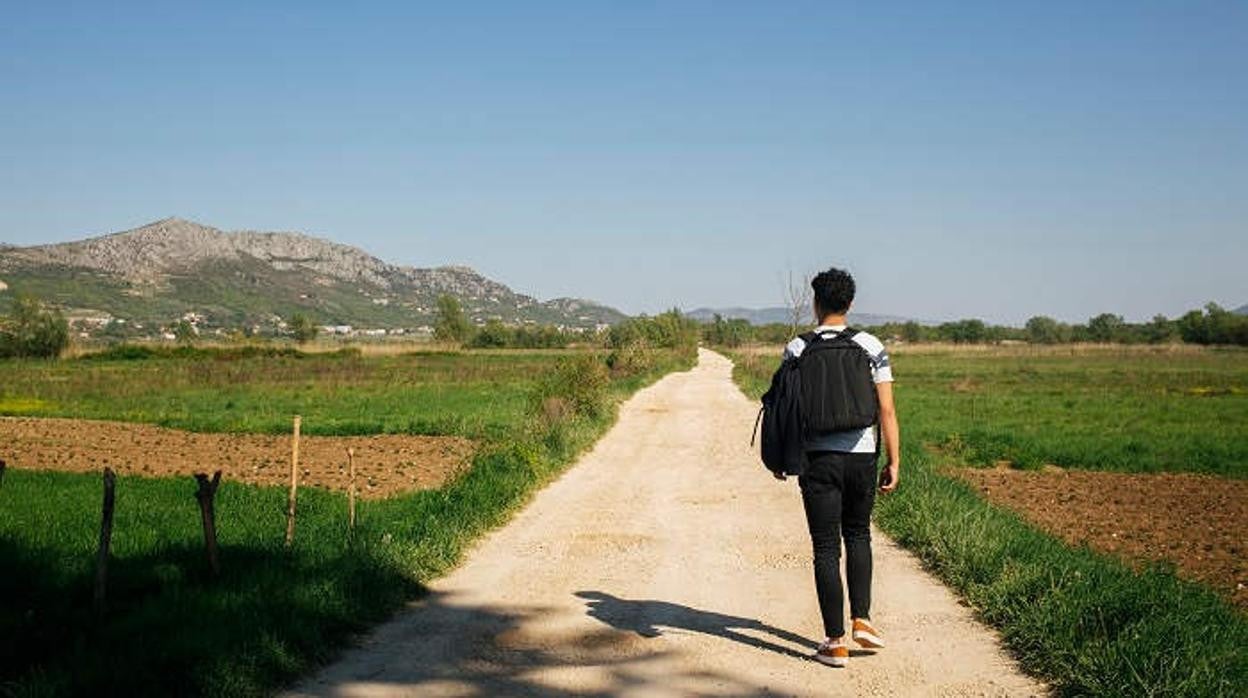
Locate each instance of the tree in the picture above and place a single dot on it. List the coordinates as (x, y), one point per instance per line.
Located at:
(1214, 326)
(797, 297)
(1105, 327)
(1042, 329)
(964, 331)
(32, 331)
(727, 333)
(494, 335)
(302, 328)
(1160, 330)
(185, 332)
(912, 332)
(451, 325)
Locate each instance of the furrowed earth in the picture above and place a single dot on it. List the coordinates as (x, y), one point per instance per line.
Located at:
(1195, 522)
(385, 465)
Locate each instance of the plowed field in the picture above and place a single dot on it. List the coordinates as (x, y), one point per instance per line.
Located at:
(1195, 522)
(385, 465)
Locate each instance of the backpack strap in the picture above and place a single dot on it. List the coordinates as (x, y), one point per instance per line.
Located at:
(844, 335)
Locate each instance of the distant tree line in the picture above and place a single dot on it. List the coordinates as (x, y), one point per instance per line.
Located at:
(1213, 325)
(452, 326)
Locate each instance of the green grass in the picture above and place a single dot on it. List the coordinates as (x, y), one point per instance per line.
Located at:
(467, 394)
(1083, 621)
(170, 628)
(1129, 409)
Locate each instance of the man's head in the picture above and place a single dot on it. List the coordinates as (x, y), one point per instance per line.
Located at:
(834, 292)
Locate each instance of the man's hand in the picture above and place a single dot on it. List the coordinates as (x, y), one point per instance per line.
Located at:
(889, 476)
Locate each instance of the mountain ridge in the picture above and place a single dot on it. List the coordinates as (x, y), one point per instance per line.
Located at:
(247, 276)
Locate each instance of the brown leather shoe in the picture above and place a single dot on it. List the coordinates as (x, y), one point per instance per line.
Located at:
(866, 635)
(833, 653)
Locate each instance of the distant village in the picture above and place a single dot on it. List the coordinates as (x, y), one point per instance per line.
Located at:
(88, 325)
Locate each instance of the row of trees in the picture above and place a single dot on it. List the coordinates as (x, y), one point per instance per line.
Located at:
(30, 330)
(452, 325)
(1213, 325)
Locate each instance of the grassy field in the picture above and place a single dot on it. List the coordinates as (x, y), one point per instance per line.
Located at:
(257, 391)
(1086, 622)
(170, 627)
(1134, 409)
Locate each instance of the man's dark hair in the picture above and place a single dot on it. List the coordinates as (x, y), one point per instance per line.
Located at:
(834, 291)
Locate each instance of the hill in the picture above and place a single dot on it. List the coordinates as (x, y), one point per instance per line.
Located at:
(767, 316)
(1241, 310)
(167, 269)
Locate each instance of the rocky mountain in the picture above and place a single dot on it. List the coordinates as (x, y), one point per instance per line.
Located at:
(767, 316)
(164, 270)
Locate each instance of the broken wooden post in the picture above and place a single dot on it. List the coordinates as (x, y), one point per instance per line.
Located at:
(205, 494)
(351, 490)
(294, 484)
(106, 535)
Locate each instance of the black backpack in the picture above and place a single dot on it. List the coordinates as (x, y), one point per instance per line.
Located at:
(829, 388)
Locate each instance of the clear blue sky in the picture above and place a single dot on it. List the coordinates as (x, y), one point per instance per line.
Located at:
(993, 159)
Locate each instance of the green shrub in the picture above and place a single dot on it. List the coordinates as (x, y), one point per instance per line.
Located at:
(495, 335)
(631, 359)
(302, 328)
(31, 331)
(577, 385)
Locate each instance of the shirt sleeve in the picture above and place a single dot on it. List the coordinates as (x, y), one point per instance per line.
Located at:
(881, 369)
(794, 348)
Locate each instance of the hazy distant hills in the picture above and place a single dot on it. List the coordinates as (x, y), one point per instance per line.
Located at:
(766, 316)
(165, 269)
(1241, 310)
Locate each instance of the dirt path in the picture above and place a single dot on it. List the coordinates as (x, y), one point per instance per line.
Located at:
(667, 562)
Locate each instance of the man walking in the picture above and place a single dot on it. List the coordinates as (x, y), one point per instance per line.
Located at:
(839, 482)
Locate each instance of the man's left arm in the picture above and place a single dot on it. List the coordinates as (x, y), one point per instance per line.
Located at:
(892, 436)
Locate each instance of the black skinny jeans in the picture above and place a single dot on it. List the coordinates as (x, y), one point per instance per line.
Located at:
(838, 491)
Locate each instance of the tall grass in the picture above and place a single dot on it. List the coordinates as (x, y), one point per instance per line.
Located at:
(171, 629)
(1084, 621)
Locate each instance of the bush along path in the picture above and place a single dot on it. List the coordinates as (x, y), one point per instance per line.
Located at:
(666, 562)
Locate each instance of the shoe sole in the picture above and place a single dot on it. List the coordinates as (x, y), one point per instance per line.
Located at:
(838, 662)
(868, 640)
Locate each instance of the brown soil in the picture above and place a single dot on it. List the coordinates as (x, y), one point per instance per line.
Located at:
(384, 465)
(1196, 522)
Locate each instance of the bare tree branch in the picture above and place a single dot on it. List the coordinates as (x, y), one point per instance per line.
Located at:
(797, 298)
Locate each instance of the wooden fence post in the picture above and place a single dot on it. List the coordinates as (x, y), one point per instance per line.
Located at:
(351, 490)
(294, 484)
(205, 494)
(106, 535)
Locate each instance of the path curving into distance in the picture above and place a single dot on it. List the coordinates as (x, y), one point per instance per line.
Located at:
(666, 562)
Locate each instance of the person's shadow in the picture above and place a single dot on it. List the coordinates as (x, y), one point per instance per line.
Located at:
(645, 617)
